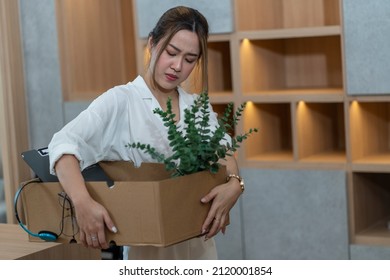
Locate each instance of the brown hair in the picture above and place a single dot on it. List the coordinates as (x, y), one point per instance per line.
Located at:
(182, 18)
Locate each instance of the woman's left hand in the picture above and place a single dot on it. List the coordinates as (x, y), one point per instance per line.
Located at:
(223, 198)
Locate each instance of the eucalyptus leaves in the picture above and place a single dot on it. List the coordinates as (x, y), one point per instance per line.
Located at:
(197, 147)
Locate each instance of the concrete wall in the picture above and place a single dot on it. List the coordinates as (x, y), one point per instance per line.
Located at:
(366, 39)
(289, 214)
(42, 70)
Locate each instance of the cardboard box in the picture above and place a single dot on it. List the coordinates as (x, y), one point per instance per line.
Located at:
(146, 204)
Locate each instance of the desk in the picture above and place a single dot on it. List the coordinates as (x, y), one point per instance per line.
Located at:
(14, 244)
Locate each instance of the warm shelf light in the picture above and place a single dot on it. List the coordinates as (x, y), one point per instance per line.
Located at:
(249, 107)
(251, 115)
(354, 108)
(245, 43)
(354, 103)
(301, 104)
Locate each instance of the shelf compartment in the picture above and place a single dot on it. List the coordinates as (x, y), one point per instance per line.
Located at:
(273, 142)
(276, 14)
(321, 132)
(292, 65)
(219, 67)
(370, 209)
(370, 133)
(219, 71)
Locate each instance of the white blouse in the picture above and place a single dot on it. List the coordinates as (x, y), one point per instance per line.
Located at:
(122, 115)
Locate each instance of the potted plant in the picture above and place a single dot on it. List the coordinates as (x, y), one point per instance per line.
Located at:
(195, 147)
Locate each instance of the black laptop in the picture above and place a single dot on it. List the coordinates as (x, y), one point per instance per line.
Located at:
(38, 160)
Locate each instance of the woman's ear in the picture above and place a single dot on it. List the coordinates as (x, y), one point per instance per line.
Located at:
(150, 43)
(149, 48)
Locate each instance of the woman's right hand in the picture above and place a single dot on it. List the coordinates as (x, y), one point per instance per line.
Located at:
(92, 217)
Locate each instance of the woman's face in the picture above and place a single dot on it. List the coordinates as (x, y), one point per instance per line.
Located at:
(177, 60)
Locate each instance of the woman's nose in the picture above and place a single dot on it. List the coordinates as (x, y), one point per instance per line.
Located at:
(176, 65)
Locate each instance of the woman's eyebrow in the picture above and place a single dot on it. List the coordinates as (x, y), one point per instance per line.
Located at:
(179, 50)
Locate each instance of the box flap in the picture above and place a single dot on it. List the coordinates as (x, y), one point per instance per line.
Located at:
(126, 171)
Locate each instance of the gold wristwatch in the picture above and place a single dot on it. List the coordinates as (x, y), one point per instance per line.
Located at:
(240, 180)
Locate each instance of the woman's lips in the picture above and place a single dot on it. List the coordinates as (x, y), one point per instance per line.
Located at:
(171, 77)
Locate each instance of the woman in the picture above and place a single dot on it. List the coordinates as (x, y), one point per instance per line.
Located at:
(125, 114)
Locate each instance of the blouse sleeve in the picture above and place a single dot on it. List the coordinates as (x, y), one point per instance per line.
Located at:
(84, 137)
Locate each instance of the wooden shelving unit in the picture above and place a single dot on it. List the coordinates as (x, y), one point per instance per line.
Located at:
(286, 62)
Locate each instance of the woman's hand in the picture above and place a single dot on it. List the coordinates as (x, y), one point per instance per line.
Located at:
(91, 216)
(92, 219)
(223, 198)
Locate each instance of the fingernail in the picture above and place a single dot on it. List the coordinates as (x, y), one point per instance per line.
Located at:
(203, 200)
(203, 231)
(114, 229)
